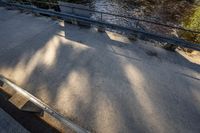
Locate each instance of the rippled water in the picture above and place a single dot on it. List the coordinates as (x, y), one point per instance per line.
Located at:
(118, 7)
(125, 7)
(169, 12)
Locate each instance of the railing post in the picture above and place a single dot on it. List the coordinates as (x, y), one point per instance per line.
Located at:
(101, 17)
(73, 21)
(72, 10)
(49, 4)
(137, 23)
(30, 2)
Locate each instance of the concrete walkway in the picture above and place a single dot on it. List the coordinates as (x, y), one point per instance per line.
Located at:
(102, 81)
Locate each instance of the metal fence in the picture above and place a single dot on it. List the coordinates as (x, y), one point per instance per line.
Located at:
(153, 30)
(40, 104)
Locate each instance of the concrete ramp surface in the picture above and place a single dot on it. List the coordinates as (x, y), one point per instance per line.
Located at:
(104, 82)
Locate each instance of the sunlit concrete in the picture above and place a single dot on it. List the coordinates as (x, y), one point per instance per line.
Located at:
(102, 81)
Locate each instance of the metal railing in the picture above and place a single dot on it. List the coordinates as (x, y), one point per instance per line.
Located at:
(30, 2)
(41, 105)
(111, 14)
(143, 28)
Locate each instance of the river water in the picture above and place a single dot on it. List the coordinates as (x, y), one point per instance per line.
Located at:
(163, 10)
(128, 8)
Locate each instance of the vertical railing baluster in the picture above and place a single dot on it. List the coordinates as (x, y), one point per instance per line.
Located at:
(49, 4)
(30, 3)
(72, 10)
(137, 23)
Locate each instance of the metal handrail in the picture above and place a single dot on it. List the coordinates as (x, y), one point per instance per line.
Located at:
(121, 16)
(43, 105)
(140, 32)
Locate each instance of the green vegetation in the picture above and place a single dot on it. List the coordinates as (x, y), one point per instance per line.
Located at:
(193, 22)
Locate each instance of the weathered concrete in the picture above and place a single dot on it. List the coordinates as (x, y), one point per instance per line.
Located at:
(9, 125)
(102, 81)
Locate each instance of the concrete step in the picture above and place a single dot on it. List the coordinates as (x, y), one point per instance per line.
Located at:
(9, 125)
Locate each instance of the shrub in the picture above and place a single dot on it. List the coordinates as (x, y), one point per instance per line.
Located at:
(193, 23)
